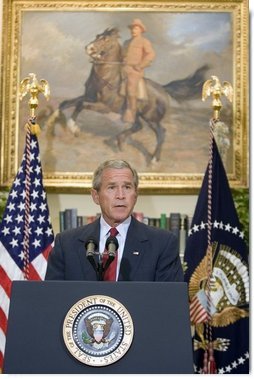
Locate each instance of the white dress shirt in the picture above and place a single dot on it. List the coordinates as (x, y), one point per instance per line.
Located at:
(121, 237)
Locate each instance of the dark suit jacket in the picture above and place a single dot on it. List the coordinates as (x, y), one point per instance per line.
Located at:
(158, 258)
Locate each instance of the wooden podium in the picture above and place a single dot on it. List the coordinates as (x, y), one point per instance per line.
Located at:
(160, 313)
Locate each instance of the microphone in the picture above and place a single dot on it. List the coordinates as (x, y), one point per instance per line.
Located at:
(91, 246)
(111, 246)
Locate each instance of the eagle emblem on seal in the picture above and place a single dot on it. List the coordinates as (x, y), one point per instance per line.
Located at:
(97, 333)
(228, 294)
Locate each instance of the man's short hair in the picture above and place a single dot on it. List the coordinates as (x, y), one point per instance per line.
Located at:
(113, 163)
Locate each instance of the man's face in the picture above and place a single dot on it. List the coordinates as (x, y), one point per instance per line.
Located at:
(136, 31)
(117, 195)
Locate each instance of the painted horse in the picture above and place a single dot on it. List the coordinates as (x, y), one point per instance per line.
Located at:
(102, 94)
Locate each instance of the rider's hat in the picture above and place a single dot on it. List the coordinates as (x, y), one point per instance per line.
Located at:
(138, 22)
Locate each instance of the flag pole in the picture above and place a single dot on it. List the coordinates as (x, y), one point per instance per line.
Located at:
(212, 87)
(30, 86)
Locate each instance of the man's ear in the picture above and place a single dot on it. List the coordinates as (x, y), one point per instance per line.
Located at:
(95, 196)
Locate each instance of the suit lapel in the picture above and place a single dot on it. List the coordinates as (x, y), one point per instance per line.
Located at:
(90, 230)
(134, 250)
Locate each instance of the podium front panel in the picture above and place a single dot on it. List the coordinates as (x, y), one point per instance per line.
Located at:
(160, 313)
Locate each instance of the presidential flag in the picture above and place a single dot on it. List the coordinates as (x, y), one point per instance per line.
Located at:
(26, 234)
(216, 258)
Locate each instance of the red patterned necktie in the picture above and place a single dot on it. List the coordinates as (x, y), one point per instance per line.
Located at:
(110, 273)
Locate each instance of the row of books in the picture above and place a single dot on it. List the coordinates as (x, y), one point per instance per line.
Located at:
(178, 223)
(69, 219)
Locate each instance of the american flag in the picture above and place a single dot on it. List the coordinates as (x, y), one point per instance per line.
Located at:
(26, 235)
(198, 311)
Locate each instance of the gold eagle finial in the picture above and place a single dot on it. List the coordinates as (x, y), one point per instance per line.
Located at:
(31, 85)
(213, 87)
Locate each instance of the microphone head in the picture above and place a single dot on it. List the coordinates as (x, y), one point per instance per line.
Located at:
(91, 245)
(112, 243)
(111, 246)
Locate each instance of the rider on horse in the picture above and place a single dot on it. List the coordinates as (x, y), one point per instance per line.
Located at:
(137, 55)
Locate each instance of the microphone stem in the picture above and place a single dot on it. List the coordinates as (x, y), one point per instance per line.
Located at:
(100, 269)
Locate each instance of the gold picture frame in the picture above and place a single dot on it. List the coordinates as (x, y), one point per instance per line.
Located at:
(49, 37)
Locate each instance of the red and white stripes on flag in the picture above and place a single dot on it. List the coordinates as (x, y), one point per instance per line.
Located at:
(198, 312)
(9, 271)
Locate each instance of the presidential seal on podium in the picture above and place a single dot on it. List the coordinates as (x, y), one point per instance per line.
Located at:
(98, 330)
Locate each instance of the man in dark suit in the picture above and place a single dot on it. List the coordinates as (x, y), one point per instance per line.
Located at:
(144, 253)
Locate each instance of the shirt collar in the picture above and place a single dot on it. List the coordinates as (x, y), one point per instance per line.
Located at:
(122, 228)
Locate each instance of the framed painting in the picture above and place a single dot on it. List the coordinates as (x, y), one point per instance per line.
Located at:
(77, 46)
